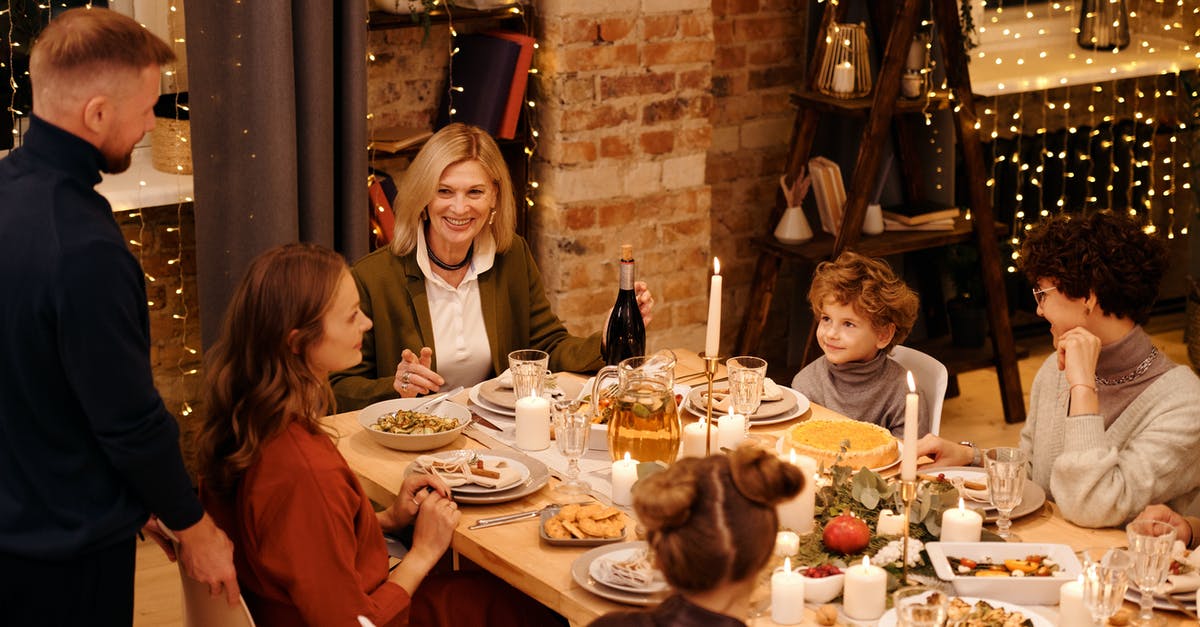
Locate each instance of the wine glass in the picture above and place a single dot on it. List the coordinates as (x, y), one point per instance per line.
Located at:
(572, 426)
(919, 606)
(1150, 545)
(1105, 578)
(1005, 467)
(746, 376)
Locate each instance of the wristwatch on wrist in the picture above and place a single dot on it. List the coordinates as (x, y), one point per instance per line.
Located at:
(976, 453)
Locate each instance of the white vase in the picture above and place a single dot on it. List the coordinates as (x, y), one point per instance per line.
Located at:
(873, 221)
(793, 227)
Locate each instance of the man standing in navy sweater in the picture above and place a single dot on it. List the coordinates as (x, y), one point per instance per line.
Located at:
(87, 450)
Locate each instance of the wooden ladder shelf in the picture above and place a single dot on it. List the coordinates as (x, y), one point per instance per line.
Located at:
(899, 24)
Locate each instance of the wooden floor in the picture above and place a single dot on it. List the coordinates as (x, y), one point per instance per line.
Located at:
(974, 415)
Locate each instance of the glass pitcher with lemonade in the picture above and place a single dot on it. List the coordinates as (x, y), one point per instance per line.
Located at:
(645, 419)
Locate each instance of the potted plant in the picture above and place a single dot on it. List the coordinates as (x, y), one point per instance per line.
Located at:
(967, 311)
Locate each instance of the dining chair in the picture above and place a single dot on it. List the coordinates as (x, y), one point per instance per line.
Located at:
(931, 377)
(201, 609)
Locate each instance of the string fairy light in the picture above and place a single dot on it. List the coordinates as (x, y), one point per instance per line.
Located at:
(1091, 169)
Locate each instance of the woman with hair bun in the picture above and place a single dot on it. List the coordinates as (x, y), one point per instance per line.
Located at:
(711, 525)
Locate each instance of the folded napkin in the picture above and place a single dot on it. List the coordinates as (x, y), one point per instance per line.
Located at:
(463, 472)
(1188, 581)
(549, 390)
(771, 390)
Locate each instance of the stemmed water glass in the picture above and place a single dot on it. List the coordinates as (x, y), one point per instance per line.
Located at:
(1150, 545)
(919, 606)
(746, 376)
(1105, 578)
(1005, 467)
(572, 426)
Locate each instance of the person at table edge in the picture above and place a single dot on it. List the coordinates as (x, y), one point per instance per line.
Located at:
(457, 289)
(1112, 423)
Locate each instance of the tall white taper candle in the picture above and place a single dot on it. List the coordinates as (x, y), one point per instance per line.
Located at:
(712, 336)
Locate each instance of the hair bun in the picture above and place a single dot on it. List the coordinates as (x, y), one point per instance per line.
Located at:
(762, 477)
(673, 490)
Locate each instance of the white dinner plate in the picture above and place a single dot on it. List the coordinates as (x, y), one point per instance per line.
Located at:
(1032, 495)
(539, 475)
(802, 406)
(580, 572)
(889, 617)
(657, 583)
(1187, 598)
(482, 402)
(488, 458)
(899, 454)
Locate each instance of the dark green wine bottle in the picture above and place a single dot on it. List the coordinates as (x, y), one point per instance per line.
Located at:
(626, 333)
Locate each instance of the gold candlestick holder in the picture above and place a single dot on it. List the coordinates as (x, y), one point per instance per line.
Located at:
(710, 371)
(908, 493)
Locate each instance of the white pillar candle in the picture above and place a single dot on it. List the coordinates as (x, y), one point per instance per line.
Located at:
(797, 514)
(864, 596)
(843, 78)
(960, 524)
(787, 595)
(889, 524)
(731, 430)
(1072, 612)
(533, 423)
(912, 422)
(624, 474)
(693, 439)
(712, 335)
(787, 543)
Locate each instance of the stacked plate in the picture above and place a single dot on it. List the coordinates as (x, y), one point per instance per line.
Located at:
(790, 405)
(500, 401)
(1032, 495)
(532, 473)
(590, 572)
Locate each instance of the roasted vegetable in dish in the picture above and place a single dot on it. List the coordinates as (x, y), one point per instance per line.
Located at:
(404, 422)
(982, 614)
(1031, 566)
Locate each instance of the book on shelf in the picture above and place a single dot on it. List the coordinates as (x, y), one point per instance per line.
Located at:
(397, 138)
(516, 90)
(483, 69)
(829, 191)
(919, 213)
(946, 224)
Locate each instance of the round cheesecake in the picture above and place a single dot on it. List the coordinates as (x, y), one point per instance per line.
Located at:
(822, 439)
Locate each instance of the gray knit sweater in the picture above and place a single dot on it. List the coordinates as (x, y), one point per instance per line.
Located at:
(871, 391)
(1103, 478)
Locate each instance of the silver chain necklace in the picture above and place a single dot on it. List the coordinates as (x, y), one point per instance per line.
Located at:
(1137, 372)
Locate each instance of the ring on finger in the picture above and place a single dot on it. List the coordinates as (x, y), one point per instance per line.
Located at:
(404, 378)
(404, 386)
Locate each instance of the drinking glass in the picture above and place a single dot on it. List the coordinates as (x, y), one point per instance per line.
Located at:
(528, 367)
(572, 426)
(919, 606)
(1105, 578)
(1005, 467)
(1150, 544)
(746, 383)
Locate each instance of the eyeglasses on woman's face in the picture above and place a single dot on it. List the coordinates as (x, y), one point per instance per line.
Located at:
(1039, 295)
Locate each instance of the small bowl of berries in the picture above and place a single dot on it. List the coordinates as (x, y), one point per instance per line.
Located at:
(823, 583)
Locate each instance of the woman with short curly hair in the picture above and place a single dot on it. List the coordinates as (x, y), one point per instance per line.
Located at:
(1112, 423)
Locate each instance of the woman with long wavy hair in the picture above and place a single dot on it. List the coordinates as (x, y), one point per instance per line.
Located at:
(309, 544)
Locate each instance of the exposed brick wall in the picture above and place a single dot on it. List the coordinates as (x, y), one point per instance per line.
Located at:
(625, 104)
(759, 60)
(166, 248)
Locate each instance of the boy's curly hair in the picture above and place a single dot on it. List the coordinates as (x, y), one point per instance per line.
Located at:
(871, 288)
(1103, 253)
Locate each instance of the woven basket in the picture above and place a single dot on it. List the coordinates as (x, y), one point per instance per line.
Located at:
(171, 146)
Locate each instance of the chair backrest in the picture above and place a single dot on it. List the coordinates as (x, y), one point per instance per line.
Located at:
(201, 609)
(931, 377)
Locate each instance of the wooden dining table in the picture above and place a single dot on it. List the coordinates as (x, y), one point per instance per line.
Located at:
(514, 552)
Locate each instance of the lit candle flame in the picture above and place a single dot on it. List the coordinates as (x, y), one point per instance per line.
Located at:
(961, 505)
(716, 266)
(787, 564)
(866, 563)
(912, 384)
(627, 458)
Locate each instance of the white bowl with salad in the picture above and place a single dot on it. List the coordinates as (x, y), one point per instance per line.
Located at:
(393, 424)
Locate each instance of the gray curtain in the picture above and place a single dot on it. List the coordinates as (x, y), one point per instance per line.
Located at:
(278, 114)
